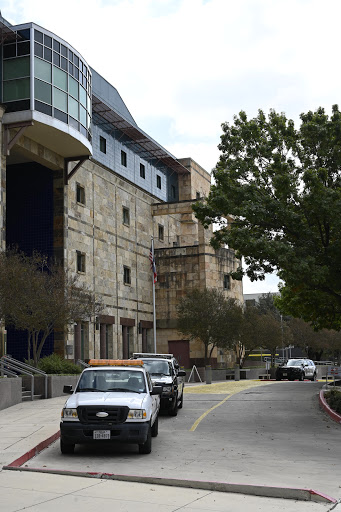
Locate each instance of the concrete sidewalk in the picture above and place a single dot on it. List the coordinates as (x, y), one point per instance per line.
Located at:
(24, 426)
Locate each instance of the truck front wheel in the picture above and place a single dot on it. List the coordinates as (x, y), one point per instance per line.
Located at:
(146, 447)
(66, 448)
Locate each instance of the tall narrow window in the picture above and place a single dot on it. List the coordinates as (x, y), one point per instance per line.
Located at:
(173, 191)
(126, 275)
(126, 216)
(80, 261)
(161, 233)
(102, 144)
(158, 181)
(198, 196)
(142, 171)
(226, 282)
(80, 193)
(124, 158)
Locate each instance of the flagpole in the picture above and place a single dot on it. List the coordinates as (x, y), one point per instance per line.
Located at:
(154, 314)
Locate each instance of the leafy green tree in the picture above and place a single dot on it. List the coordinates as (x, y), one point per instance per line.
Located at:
(208, 316)
(277, 200)
(37, 296)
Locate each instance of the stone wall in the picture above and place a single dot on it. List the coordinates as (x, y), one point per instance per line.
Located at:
(10, 391)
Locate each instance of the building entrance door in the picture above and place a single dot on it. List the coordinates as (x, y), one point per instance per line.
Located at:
(180, 350)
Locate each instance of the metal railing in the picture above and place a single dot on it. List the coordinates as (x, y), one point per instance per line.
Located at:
(10, 364)
(83, 363)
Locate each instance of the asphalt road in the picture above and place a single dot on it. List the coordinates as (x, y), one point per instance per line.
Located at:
(270, 435)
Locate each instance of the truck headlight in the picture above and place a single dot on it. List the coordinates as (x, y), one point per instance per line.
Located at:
(167, 389)
(69, 414)
(137, 414)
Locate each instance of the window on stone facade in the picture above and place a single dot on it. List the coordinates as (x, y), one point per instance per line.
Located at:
(161, 233)
(158, 181)
(227, 282)
(126, 275)
(80, 261)
(142, 171)
(80, 194)
(173, 191)
(124, 158)
(126, 216)
(102, 144)
(198, 195)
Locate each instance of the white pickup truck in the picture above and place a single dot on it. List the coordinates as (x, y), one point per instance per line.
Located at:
(114, 401)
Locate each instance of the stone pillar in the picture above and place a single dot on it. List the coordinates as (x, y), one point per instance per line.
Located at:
(102, 345)
(77, 341)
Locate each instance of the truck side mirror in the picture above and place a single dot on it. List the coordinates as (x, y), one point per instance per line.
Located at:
(67, 389)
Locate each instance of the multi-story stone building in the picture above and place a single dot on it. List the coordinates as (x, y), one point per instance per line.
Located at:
(82, 182)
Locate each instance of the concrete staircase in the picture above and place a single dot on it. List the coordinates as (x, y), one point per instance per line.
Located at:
(26, 395)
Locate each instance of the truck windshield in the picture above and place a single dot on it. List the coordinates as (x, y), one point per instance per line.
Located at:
(113, 380)
(157, 367)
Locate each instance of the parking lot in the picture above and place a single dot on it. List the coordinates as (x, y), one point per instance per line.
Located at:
(272, 435)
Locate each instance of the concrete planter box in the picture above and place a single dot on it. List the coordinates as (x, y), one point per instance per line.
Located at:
(220, 374)
(10, 391)
(55, 384)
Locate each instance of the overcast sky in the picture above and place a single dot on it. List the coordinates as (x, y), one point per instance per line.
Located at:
(183, 67)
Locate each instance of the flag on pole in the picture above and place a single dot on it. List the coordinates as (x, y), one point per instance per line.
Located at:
(152, 264)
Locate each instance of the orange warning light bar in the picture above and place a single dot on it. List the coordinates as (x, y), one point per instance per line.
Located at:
(115, 362)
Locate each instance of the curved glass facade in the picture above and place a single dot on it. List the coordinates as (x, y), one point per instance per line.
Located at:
(42, 72)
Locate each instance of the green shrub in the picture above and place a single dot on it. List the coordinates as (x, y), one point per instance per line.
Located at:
(57, 365)
(333, 398)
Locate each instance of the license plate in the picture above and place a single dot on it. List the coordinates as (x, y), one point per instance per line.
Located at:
(285, 374)
(101, 434)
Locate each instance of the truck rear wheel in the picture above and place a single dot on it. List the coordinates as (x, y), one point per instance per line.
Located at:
(155, 427)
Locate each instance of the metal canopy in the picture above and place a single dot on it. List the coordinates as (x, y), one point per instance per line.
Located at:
(148, 148)
(6, 33)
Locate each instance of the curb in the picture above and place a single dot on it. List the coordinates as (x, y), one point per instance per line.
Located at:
(34, 451)
(247, 489)
(323, 403)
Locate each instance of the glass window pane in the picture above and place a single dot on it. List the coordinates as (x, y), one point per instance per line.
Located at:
(9, 51)
(47, 54)
(73, 87)
(60, 115)
(56, 46)
(38, 49)
(75, 73)
(59, 99)
(16, 68)
(16, 89)
(48, 41)
(82, 115)
(75, 59)
(59, 78)
(42, 107)
(38, 36)
(70, 68)
(23, 48)
(63, 63)
(63, 50)
(88, 104)
(56, 59)
(42, 91)
(70, 55)
(42, 70)
(73, 108)
(82, 96)
(25, 34)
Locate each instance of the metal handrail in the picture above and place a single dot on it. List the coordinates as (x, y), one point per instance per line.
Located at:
(26, 369)
(83, 363)
(6, 371)
(13, 367)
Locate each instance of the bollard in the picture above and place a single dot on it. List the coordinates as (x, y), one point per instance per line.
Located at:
(236, 372)
(208, 374)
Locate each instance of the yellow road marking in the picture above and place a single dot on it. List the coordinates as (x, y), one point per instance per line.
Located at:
(194, 426)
